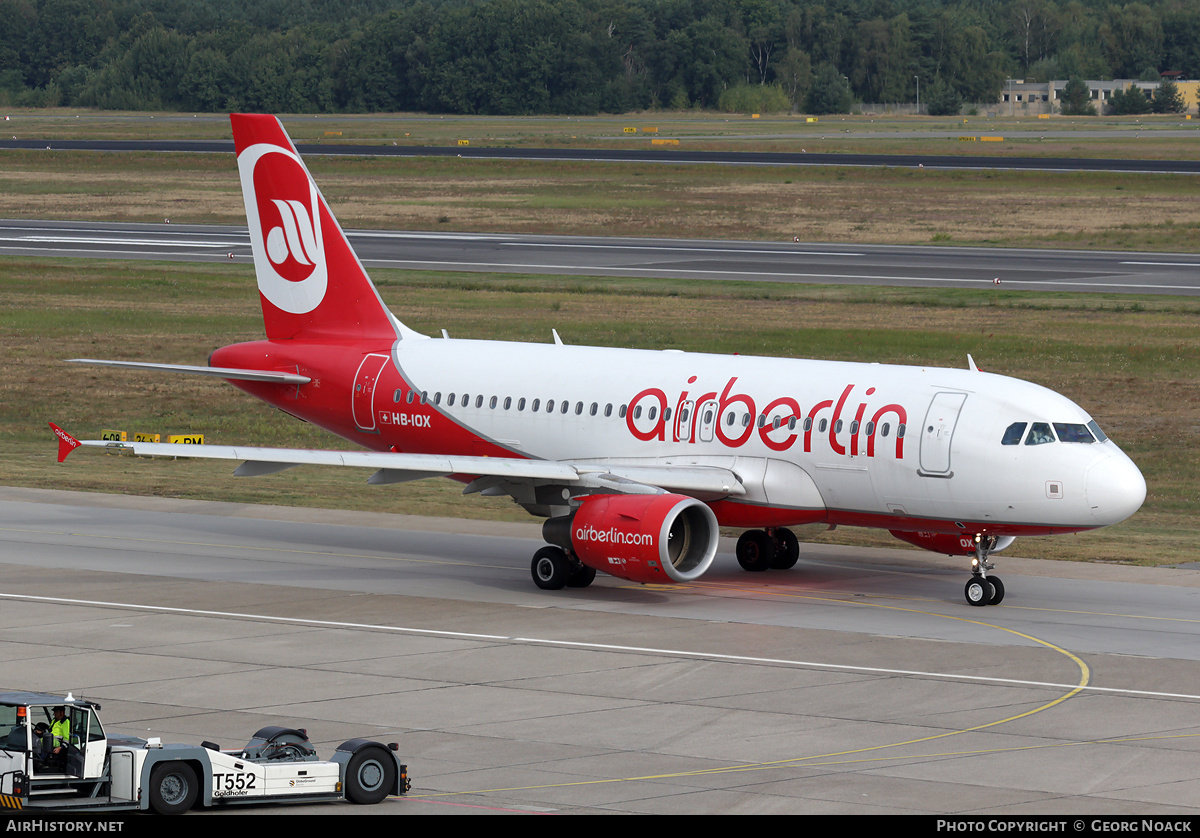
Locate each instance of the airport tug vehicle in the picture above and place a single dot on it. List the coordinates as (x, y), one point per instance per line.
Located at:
(51, 760)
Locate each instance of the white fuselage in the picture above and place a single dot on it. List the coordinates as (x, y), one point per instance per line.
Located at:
(867, 443)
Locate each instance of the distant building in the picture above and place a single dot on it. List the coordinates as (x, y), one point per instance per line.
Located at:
(1029, 97)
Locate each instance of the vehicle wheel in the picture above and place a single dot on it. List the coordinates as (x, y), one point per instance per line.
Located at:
(581, 577)
(755, 550)
(997, 590)
(173, 788)
(550, 568)
(787, 549)
(370, 776)
(978, 591)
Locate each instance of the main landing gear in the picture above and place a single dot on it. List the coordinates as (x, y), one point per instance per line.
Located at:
(770, 549)
(983, 589)
(553, 568)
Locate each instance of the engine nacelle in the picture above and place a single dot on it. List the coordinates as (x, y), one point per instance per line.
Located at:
(645, 538)
(951, 544)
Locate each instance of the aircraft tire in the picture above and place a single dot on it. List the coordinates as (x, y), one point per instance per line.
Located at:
(787, 550)
(978, 591)
(550, 568)
(997, 590)
(581, 577)
(755, 551)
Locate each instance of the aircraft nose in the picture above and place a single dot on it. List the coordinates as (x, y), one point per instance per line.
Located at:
(1115, 489)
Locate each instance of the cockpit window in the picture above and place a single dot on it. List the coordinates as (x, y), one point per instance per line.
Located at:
(1040, 433)
(1068, 432)
(1014, 432)
(1096, 432)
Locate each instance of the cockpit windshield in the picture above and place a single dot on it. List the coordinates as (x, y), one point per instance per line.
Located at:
(1040, 433)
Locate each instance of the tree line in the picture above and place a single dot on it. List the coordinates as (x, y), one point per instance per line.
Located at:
(571, 56)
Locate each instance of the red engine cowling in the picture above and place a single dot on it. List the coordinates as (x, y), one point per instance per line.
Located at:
(645, 538)
(952, 544)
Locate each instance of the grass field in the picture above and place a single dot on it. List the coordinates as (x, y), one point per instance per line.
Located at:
(1130, 361)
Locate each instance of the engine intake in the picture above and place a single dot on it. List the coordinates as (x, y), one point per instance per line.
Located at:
(644, 538)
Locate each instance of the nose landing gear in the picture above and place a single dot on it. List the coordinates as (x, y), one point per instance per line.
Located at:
(983, 589)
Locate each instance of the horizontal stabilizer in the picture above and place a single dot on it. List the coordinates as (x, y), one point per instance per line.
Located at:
(227, 373)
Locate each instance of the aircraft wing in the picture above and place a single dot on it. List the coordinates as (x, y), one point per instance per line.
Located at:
(394, 468)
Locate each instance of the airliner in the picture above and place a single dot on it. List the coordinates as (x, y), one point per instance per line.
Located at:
(636, 458)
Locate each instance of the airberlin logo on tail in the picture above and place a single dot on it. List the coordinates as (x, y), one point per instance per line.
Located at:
(283, 211)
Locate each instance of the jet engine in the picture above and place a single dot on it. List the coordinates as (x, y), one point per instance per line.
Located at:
(952, 544)
(643, 538)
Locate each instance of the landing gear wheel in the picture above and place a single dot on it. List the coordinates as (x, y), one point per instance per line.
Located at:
(581, 576)
(755, 550)
(997, 590)
(173, 788)
(787, 549)
(979, 591)
(370, 775)
(550, 568)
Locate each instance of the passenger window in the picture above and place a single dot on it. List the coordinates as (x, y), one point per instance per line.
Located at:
(595, 407)
(549, 405)
(437, 397)
(424, 397)
(412, 394)
(492, 403)
(450, 400)
(396, 397)
(1013, 434)
(536, 404)
(884, 429)
(808, 424)
(566, 405)
(1039, 434)
(1072, 433)
(507, 402)
(608, 410)
(578, 408)
(479, 401)
(653, 412)
(521, 403)
(900, 431)
(624, 409)
(637, 412)
(822, 425)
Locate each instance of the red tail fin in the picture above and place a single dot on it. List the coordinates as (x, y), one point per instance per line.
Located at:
(311, 282)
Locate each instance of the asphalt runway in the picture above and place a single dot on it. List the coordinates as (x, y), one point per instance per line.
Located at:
(670, 156)
(858, 683)
(787, 262)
